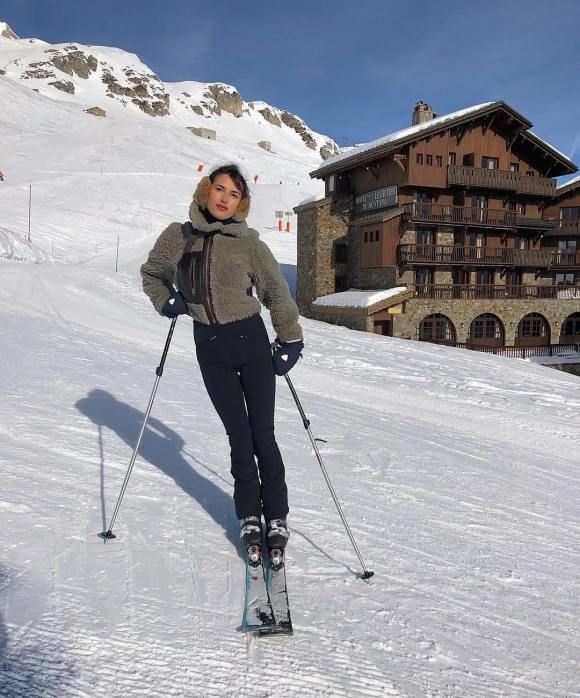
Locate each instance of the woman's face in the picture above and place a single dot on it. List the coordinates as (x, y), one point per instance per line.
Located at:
(224, 197)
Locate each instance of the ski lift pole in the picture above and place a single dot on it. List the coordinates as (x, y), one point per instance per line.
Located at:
(108, 534)
(367, 574)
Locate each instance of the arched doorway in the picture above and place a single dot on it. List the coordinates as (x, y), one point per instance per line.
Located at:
(486, 330)
(533, 331)
(436, 328)
(570, 332)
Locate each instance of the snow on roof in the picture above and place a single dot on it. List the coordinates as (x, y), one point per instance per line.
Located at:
(574, 180)
(404, 133)
(311, 200)
(548, 145)
(355, 298)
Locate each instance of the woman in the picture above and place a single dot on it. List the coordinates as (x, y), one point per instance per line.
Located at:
(208, 268)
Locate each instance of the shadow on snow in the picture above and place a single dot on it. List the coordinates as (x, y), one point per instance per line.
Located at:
(163, 448)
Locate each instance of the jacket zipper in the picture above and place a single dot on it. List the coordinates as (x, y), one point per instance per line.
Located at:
(207, 303)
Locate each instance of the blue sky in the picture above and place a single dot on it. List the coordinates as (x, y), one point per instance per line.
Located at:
(351, 70)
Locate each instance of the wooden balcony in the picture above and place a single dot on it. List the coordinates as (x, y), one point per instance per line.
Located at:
(442, 214)
(486, 256)
(563, 228)
(491, 292)
(503, 180)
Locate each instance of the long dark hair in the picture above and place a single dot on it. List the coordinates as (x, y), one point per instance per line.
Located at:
(232, 171)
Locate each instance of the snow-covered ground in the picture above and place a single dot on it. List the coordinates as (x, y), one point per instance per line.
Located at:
(458, 472)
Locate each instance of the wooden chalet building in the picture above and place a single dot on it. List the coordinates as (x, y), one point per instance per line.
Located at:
(460, 212)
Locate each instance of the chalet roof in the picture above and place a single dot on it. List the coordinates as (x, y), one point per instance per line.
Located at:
(568, 186)
(382, 146)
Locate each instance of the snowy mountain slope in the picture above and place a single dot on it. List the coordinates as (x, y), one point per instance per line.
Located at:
(458, 472)
(119, 83)
(95, 179)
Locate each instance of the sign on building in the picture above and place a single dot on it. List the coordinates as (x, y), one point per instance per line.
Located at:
(379, 198)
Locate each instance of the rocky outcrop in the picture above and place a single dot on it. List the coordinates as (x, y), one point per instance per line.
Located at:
(39, 71)
(2, 71)
(300, 127)
(146, 91)
(156, 108)
(270, 117)
(75, 62)
(64, 86)
(197, 109)
(7, 33)
(226, 100)
(328, 150)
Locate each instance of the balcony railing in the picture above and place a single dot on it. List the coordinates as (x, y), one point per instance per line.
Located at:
(493, 292)
(560, 227)
(488, 256)
(482, 178)
(466, 215)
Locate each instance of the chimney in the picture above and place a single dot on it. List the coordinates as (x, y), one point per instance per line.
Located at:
(422, 112)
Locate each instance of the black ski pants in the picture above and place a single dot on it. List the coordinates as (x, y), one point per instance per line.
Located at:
(236, 364)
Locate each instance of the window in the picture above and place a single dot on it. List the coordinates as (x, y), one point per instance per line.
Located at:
(514, 166)
(424, 237)
(469, 160)
(429, 159)
(489, 163)
(436, 328)
(452, 158)
(439, 161)
(513, 278)
(423, 276)
(516, 207)
(565, 279)
(568, 213)
(484, 277)
(533, 325)
(422, 204)
(487, 329)
(368, 236)
(341, 253)
(419, 158)
(486, 326)
(330, 184)
(572, 325)
(567, 246)
(530, 173)
(340, 283)
(343, 183)
(521, 243)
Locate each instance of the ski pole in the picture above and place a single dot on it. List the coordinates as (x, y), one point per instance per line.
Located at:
(367, 574)
(158, 372)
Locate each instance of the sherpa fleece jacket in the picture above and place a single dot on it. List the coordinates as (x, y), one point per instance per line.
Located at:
(215, 266)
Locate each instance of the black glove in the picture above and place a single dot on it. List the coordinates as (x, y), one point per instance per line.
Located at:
(175, 305)
(285, 355)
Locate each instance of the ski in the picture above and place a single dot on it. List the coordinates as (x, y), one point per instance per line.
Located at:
(278, 592)
(258, 614)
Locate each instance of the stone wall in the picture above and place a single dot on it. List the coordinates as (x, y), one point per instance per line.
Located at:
(319, 225)
(462, 314)
(344, 317)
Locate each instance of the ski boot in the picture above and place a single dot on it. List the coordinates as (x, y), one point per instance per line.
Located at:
(251, 537)
(276, 537)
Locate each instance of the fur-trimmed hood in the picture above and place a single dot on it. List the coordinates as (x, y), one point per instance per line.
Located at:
(200, 223)
(201, 196)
